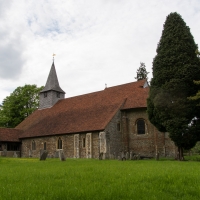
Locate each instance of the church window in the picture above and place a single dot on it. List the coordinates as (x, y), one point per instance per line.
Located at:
(45, 94)
(59, 145)
(83, 142)
(45, 146)
(33, 145)
(140, 126)
(119, 126)
(58, 94)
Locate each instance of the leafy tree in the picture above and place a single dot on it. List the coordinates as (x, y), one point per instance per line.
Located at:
(20, 104)
(142, 72)
(174, 68)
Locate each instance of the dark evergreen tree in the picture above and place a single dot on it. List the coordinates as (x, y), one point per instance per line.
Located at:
(19, 105)
(174, 68)
(142, 72)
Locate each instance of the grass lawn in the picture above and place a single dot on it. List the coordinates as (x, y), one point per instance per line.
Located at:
(94, 179)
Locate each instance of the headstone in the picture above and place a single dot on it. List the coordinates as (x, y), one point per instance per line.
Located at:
(119, 158)
(15, 155)
(43, 155)
(61, 156)
(157, 155)
(138, 157)
(123, 156)
(127, 155)
(4, 153)
(100, 156)
(30, 153)
(56, 155)
(131, 155)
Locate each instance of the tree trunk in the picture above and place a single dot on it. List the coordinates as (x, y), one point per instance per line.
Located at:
(180, 156)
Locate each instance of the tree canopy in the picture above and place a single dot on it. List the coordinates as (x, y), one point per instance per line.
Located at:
(20, 104)
(142, 72)
(174, 68)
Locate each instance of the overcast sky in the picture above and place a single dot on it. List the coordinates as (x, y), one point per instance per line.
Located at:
(96, 42)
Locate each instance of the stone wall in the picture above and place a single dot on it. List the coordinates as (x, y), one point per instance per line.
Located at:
(147, 144)
(72, 146)
(114, 136)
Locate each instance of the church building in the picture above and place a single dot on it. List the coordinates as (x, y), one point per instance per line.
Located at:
(107, 123)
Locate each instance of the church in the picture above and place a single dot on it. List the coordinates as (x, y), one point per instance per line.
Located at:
(107, 123)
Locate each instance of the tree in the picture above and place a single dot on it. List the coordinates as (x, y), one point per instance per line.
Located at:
(142, 72)
(174, 68)
(20, 104)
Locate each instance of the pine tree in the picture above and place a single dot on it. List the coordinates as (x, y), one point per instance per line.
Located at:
(174, 68)
(142, 72)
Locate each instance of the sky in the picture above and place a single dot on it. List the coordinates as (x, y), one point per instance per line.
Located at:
(96, 42)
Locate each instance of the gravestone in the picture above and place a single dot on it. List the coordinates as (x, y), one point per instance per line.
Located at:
(157, 155)
(15, 155)
(4, 153)
(123, 156)
(56, 155)
(131, 155)
(30, 153)
(43, 155)
(127, 155)
(101, 156)
(61, 156)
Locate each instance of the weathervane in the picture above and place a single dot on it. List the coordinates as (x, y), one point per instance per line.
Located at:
(53, 56)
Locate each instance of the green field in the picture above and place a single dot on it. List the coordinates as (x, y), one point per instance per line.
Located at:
(94, 179)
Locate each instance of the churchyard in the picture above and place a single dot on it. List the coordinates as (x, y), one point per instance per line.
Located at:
(28, 178)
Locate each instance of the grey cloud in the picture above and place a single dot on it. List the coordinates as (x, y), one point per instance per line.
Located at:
(4, 5)
(11, 61)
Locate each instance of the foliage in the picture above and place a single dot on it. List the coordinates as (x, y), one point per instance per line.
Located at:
(94, 179)
(20, 104)
(142, 72)
(174, 68)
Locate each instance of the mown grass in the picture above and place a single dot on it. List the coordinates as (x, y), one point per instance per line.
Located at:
(94, 179)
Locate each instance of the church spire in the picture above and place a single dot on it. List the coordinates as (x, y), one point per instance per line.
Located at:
(52, 91)
(52, 81)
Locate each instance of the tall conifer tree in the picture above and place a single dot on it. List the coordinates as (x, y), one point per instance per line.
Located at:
(174, 68)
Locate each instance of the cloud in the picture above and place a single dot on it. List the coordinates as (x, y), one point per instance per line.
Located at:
(95, 42)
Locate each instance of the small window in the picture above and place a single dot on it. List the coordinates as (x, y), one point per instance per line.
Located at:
(83, 142)
(45, 146)
(33, 145)
(58, 94)
(59, 146)
(45, 94)
(119, 126)
(140, 126)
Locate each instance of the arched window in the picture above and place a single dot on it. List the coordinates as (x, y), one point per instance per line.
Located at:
(140, 126)
(59, 146)
(45, 146)
(33, 145)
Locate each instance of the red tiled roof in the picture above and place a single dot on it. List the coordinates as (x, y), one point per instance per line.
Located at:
(9, 135)
(84, 113)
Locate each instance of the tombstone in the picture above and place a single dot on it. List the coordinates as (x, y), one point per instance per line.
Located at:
(119, 158)
(30, 153)
(62, 156)
(43, 155)
(138, 157)
(131, 155)
(100, 156)
(4, 153)
(157, 155)
(127, 155)
(123, 156)
(56, 155)
(15, 155)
